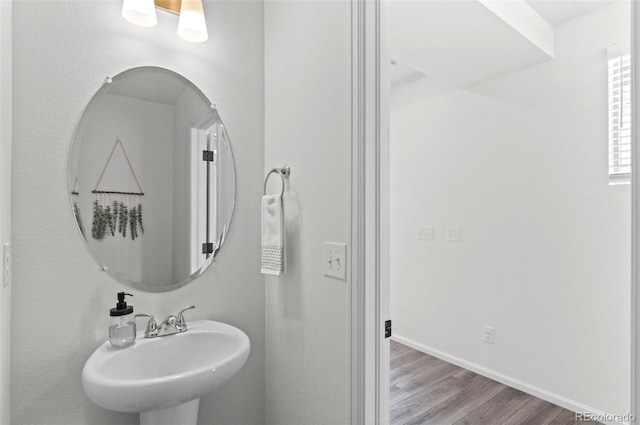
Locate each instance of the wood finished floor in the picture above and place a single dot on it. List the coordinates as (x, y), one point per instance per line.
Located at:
(427, 390)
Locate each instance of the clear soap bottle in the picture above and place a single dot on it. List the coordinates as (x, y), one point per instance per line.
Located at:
(122, 331)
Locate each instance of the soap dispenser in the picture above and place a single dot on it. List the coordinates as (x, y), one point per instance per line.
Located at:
(122, 331)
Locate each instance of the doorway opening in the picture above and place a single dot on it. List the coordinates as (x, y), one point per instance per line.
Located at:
(509, 212)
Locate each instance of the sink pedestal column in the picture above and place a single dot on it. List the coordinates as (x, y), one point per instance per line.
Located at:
(183, 414)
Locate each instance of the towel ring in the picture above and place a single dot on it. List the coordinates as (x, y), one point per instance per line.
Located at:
(284, 173)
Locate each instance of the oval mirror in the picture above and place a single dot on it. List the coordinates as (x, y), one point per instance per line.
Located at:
(152, 179)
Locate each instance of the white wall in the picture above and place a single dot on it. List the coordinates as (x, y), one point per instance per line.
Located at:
(520, 163)
(142, 127)
(63, 51)
(187, 106)
(5, 199)
(308, 104)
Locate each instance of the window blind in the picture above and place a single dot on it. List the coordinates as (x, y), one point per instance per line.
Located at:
(620, 116)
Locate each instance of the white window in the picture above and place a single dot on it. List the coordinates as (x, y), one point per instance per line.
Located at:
(619, 117)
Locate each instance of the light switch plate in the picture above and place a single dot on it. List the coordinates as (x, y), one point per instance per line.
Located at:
(425, 233)
(454, 234)
(335, 260)
(6, 265)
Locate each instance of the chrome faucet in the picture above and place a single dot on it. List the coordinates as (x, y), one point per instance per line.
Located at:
(169, 326)
(152, 326)
(181, 325)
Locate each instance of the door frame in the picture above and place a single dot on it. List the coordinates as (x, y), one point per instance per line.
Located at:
(370, 216)
(635, 214)
(6, 88)
(369, 213)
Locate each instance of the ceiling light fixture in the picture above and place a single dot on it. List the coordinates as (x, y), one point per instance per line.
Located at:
(192, 25)
(140, 12)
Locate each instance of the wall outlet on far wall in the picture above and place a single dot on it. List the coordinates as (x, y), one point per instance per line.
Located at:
(487, 334)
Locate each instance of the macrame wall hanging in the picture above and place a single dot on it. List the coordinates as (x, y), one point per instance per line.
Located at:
(117, 212)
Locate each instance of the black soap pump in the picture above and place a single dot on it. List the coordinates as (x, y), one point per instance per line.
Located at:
(122, 331)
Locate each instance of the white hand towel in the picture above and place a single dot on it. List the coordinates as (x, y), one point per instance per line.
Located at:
(272, 235)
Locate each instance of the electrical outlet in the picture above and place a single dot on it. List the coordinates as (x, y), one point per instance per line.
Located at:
(335, 260)
(425, 233)
(487, 334)
(454, 234)
(6, 265)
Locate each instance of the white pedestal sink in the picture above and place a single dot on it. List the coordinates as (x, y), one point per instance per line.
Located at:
(163, 378)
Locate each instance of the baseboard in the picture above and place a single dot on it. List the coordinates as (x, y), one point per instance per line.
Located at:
(506, 380)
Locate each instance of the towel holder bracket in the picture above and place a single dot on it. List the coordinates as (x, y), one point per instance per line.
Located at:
(284, 173)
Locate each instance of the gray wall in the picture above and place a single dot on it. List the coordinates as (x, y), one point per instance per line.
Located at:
(63, 52)
(308, 126)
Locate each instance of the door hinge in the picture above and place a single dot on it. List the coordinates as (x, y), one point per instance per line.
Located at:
(207, 248)
(208, 156)
(387, 329)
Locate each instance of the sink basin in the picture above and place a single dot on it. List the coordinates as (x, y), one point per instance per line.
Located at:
(163, 378)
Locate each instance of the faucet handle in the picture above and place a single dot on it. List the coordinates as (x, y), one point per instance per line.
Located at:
(181, 322)
(152, 326)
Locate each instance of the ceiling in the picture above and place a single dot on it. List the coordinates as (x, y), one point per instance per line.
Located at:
(149, 85)
(460, 43)
(558, 12)
(464, 42)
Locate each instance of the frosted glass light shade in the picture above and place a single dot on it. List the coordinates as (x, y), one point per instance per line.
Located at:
(140, 12)
(192, 25)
